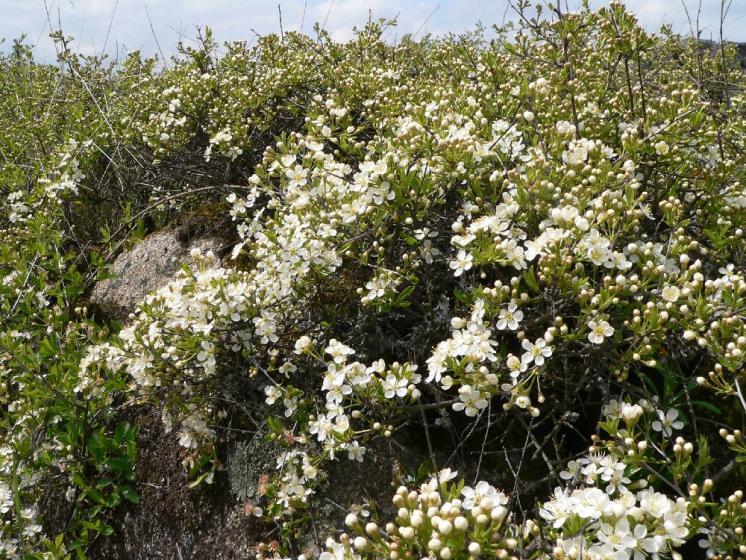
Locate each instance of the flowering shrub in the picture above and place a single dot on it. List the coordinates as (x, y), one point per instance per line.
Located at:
(532, 245)
(448, 520)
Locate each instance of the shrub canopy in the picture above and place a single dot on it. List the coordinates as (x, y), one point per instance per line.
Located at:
(525, 252)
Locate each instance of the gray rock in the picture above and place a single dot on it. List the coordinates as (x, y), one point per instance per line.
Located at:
(150, 264)
(248, 462)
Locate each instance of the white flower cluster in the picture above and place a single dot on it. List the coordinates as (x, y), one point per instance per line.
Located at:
(62, 182)
(606, 519)
(470, 346)
(348, 387)
(438, 520)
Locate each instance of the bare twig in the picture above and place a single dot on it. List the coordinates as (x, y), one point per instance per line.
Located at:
(429, 444)
(108, 31)
(538, 447)
(282, 31)
(435, 9)
(303, 17)
(740, 394)
(329, 11)
(484, 441)
(155, 38)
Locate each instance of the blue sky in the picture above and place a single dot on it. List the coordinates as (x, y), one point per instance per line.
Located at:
(122, 25)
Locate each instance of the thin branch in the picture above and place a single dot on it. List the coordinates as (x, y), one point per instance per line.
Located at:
(282, 31)
(740, 394)
(108, 31)
(435, 9)
(155, 38)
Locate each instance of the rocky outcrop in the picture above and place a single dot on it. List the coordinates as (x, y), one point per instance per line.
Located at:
(150, 264)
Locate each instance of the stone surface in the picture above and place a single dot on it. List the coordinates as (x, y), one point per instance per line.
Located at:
(147, 266)
(173, 521)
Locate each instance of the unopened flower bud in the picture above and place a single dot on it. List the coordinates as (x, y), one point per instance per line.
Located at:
(631, 413)
(461, 523)
(445, 527)
(498, 513)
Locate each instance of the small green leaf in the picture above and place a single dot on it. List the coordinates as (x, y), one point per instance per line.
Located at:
(200, 479)
(530, 278)
(130, 494)
(275, 425)
(120, 464)
(121, 432)
(707, 406)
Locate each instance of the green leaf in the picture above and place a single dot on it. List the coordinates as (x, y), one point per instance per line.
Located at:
(121, 432)
(199, 480)
(130, 494)
(121, 464)
(96, 496)
(463, 297)
(707, 406)
(530, 278)
(649, 382)
(275, 425)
